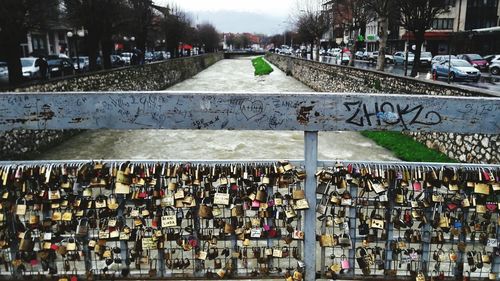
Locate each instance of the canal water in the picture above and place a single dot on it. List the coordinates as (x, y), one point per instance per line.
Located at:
(226, 75)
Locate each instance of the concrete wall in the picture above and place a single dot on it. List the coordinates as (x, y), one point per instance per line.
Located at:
(26, 144)
(322, 77)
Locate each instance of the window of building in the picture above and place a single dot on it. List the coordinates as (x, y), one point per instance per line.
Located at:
(443, 3)
(450, 3)
(38, 42)
(480, 23)
(482, 3)
(442, 24)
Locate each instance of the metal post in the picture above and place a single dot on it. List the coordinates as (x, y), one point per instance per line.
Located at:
(352, 231)
(311, 162)
(449, 58)
(496, 260)
(323, 251)
(77, 55)
(406, 56)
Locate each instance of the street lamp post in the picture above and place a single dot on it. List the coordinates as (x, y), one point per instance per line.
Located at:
(70, 36)
(79, 34)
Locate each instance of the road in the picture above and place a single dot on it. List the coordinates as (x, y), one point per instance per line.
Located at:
(488, 82)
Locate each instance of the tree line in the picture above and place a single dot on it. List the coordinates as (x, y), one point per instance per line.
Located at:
(316, 17)
(105, 23)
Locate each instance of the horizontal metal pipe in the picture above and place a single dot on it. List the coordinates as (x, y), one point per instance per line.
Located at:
(321, 163)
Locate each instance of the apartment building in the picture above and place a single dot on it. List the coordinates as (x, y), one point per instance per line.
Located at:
(468, 26)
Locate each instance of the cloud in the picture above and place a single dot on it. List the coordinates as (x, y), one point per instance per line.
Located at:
(238, 22)
(275, 8)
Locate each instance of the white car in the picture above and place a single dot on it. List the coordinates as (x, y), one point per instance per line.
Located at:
(373, 57)
(342, 58)
(84, 63)
(126, 57)
(334, 52)
(4, 73)
(400, 58)
(426, 58)
(494, 61)
(442, 58)
(30, 71)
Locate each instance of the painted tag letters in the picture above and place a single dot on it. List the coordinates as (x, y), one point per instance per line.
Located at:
(390, 114)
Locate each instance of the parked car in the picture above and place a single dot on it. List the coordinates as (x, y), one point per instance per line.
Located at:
(84, 63)
(494, 61)
(400, 58)
(149, 57)
(117, 61)
(374, 57)
(459, 70)
(126, 57)
(4, 73)
(334, 52)
(492, 58)
(426, 58)
(60, 67)
(29, 69)
(161, 55)
(495, 68)
(366, 55)
(441, 58)
(286, 51)
(342, 57)
(359, 55)
(476, 60)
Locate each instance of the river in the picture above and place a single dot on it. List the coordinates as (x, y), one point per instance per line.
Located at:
(226, 75)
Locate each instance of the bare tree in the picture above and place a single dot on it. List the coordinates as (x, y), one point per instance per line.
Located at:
(208, 36)
(176, 24)
(141, 18)
(383, 10)
(312, 22)
(417, 17)
(352, 15)
(102, 19)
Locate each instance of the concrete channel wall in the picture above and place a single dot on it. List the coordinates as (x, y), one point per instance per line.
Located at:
(26, 144)
(322, 77)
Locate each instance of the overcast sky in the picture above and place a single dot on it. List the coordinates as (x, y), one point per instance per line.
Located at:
(258, 16)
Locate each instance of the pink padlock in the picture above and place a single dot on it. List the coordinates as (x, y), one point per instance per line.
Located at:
(345, 262)
(270, 203)
(417, 186)
(255, 204)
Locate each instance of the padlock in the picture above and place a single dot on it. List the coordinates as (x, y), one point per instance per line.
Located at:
(261, 194)
(345, 262)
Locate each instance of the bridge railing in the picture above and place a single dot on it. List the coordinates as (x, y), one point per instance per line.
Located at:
(311, 113)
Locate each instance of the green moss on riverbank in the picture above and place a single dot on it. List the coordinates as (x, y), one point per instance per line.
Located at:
(261, 66)
(406, 148)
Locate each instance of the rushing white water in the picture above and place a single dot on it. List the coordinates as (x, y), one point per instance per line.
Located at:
(226, 75)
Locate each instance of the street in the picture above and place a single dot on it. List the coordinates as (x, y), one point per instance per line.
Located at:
(487, 82)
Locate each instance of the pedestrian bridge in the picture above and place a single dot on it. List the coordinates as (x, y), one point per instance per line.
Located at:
(300, 245)
(235, 53)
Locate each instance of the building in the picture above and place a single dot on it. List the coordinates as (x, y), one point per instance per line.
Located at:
(52, 40)
(468, 26)
(342, 15)
(371, 36)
